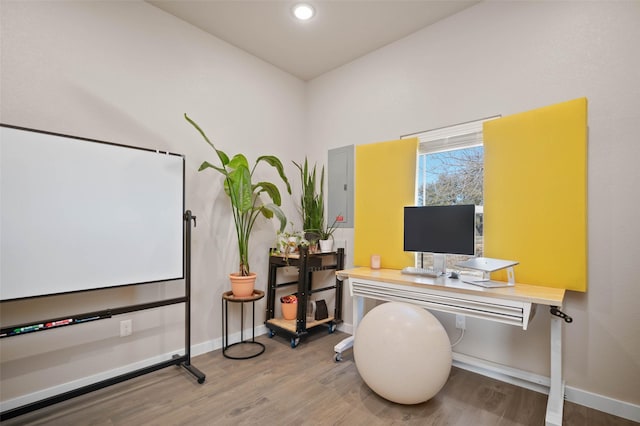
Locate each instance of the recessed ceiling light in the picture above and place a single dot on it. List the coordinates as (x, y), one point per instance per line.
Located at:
(303, 11)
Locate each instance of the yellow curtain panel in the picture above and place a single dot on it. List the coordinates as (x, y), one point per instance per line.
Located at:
(385, 175)
(535, 192)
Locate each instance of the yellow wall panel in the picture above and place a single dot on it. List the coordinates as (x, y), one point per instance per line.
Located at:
(535, 192)
(385, 175)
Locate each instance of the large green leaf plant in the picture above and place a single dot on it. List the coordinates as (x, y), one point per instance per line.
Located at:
(245, 196)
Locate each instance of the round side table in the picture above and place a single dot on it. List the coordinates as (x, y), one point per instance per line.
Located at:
(229, 297)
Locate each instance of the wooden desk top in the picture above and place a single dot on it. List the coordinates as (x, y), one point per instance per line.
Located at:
(519, 292)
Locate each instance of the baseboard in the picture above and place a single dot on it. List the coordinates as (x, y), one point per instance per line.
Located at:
(345, 328)
(503, 373)
(215, 344)
(540, 384)
(623, 409)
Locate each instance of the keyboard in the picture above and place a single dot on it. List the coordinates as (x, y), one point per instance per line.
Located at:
(423, 272)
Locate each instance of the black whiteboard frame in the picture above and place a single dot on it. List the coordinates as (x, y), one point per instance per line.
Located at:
(66, 137)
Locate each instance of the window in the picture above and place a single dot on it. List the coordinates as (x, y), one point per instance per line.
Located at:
(450, 169)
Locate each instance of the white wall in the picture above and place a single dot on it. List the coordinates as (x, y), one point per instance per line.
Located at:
(505, 58)
(126, 72)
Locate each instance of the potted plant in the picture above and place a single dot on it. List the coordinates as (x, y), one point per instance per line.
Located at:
(246, 204)
(326, 237)
(311, 202)
(289, 305)
(288, 242)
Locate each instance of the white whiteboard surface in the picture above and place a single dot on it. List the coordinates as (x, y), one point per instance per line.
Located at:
(79, 215)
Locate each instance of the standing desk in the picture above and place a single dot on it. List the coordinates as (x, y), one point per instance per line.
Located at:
(515, 305)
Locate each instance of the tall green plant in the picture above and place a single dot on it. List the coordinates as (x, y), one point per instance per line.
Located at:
(244, 195)
(311, 202)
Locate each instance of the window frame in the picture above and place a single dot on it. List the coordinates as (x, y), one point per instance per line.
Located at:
(448, 138)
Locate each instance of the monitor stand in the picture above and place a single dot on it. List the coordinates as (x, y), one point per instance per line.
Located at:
(488, 265)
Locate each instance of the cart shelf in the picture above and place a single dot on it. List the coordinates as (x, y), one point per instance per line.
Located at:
(307, 263)
(290, 325)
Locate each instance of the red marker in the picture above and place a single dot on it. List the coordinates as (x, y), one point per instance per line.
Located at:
(59, 323)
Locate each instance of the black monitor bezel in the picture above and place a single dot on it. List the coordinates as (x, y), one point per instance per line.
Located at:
(448, 229)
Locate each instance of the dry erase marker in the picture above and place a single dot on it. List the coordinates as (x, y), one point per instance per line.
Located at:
(59, 323)
(34, 327)
(88, 319)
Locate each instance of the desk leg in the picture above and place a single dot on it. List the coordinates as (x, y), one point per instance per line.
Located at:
(358, 310)
(555, 404)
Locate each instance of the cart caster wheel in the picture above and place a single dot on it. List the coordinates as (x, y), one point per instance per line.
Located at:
(295, 341)
(271, 333)
(332, 328)
(338, 357)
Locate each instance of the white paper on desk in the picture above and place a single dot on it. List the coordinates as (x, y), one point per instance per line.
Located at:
(488, 283)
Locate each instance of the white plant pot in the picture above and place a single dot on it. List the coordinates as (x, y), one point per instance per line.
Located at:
(326, 246)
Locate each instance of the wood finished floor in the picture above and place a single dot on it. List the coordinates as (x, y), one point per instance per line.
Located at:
(301, 386)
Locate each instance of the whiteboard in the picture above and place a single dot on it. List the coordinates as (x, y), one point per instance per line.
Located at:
(78, 214)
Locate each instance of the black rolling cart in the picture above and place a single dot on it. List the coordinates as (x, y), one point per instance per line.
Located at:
(307, 264)
(229, 297)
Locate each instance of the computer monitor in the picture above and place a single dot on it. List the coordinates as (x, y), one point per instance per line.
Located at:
(440, 230)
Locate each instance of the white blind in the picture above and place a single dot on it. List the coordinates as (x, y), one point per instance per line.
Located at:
(448, 138)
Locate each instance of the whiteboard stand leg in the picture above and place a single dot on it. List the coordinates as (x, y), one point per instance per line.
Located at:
(187, 306)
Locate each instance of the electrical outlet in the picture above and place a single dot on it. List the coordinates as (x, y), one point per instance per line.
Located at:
(460, 322)
(126, 328)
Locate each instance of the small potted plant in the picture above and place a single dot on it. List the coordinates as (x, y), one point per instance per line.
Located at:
(289, 306)
(326, 237)
(287, 242)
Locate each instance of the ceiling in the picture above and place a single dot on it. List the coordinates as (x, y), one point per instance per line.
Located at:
(340, 32)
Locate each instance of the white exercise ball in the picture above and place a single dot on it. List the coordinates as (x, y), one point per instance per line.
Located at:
(402, 353)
